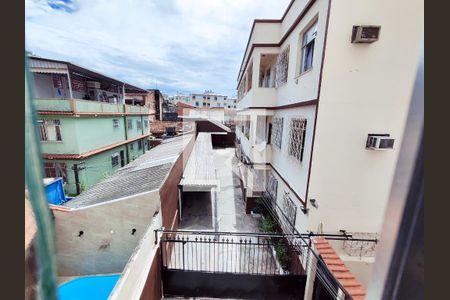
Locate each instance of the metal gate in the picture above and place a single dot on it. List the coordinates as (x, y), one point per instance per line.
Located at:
(225, 265)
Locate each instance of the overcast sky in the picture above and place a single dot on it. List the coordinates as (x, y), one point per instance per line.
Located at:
(173, 45)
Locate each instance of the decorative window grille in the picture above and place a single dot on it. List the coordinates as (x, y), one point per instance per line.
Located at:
(54, 170)
(272, 187)
(282, 67)
(297, 138)
(309, 38)
(277, 132)
(50, 130)
(289, 209)
(115, 122)
(361, 248)
(130, 124)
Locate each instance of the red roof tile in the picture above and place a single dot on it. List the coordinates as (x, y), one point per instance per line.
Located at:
(339, 270)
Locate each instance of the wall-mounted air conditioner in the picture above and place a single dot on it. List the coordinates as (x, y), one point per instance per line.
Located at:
(379, 142)
(365, 34)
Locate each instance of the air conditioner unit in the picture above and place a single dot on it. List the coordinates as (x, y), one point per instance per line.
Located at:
(93, 84)
(365, 34)
(379, 142)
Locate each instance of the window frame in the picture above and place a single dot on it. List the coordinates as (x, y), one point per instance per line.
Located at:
(44, 125)
(115, 123)
(115, 156)
(130, 124)
(305, 43)
(296, 138)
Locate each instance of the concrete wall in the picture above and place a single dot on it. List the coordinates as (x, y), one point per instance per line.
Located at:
(169, 190)
(107, 242)
(141, 278)
(294, 171)
(366, 88)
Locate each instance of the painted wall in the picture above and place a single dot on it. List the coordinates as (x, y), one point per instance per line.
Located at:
(107, 242)
(69, 135)
(96, 132)
(134, 131)
(294, 171)
(366, 88)
(140, 275)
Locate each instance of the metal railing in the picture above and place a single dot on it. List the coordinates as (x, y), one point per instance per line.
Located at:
(228, 252)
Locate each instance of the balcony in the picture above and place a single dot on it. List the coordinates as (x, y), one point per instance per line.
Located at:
(78, 106)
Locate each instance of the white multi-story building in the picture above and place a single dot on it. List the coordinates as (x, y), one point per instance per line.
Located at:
(312, 87)
(208, 99)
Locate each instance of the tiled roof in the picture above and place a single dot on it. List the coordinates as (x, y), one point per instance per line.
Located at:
(339, 270)
(145, 174)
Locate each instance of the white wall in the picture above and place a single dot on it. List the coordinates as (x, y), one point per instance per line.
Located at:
(366, 88)
(294, 171)
(110, 224)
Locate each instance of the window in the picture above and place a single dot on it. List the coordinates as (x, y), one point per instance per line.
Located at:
(193, 97)
(131, 146)
(115, 122)
(130, 124)
(297, 138)
(197, 104)
(115, 159)
(146, 123)
(55, 170)
(272, 187)
(138, 124)
(277, 132)
(309, 38)
(50, 130)
(260, 129)
(289, 209)
(140, 145)
(281, 74)
(215, 98)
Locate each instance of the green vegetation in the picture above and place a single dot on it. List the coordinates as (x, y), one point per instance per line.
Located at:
(269, 225)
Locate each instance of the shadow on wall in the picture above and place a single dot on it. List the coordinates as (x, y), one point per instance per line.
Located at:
(100, 239)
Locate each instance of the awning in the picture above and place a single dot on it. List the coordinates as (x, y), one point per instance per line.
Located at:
(200, 172)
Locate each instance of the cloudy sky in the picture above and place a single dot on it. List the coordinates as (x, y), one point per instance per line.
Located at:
(173, 45)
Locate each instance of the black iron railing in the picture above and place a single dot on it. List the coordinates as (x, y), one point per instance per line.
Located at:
(227, 252)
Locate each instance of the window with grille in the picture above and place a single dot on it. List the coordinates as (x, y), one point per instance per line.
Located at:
(277, 132)
(272, 187)
(54, 170)
(297, 138)
(131, 146)
(130, 124)
(138, 124)
(281, 73)
(289, 208)
(115, 122)
(50, 130)
(115, 159)
(308, 42)
(146, 123)
(140, 145)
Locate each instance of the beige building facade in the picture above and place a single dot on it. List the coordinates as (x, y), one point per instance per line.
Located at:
(308, 99)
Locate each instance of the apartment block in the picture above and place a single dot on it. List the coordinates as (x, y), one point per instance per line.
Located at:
(323, 95)
(87, 131)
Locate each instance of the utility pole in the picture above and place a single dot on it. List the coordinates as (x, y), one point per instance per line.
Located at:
(76, 168)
